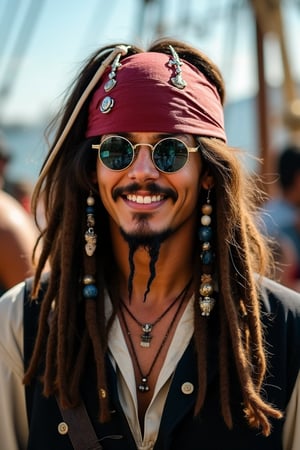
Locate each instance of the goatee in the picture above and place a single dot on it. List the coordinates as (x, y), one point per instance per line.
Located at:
(149, 241)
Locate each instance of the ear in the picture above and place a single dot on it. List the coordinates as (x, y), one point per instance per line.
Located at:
(207, 181)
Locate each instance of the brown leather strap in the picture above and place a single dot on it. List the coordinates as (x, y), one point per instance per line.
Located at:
(80, 429)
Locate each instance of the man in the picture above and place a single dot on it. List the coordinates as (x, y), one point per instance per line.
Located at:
(157, 328)
(281, 215)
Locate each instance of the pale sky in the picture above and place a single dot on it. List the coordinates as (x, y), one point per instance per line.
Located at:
(68, 31)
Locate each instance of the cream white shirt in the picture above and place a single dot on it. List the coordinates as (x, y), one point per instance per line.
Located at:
(13, 423)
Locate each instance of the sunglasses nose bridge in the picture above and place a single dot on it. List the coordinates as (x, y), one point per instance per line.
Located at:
(143, 160)
(135, 146)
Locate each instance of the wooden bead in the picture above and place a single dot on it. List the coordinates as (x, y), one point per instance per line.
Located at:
(206, 209)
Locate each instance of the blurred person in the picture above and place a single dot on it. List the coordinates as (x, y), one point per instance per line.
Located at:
(281, 215)
(18, 235)
(18, 232)
(286, 261)
(156, 327)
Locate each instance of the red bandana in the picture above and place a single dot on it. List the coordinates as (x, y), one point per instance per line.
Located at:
(144, 98)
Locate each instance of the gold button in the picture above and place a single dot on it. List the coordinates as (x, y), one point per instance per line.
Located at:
(63, 428)
(187, 388)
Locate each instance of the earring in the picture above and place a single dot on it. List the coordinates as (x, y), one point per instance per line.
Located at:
(90, 289)
(206, 301)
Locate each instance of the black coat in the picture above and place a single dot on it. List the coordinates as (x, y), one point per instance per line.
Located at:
(179, 429)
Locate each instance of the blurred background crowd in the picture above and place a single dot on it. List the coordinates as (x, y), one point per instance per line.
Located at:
(254, 42)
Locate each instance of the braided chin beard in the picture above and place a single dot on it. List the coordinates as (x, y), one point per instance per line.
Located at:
(149, 242)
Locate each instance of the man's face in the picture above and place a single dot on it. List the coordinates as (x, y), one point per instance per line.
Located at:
(143, 201)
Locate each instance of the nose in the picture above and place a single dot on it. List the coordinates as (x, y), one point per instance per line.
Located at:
(142, 167)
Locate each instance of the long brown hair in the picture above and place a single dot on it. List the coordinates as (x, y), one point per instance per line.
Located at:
(79, 326)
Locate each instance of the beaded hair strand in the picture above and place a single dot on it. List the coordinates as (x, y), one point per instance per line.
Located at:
(235, 248)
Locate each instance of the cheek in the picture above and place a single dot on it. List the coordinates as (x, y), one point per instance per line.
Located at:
(194, 166)
(106, 180)
(192, 176)
(193, 188)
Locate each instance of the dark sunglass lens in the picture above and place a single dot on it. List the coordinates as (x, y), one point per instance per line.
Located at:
(116, 153)
(170, 155)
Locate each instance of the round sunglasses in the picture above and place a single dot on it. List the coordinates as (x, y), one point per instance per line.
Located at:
(168, 155)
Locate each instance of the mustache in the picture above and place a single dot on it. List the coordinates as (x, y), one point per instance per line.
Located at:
(153, 189)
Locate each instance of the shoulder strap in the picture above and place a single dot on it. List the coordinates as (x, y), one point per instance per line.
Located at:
(79, 426)
(80, 429)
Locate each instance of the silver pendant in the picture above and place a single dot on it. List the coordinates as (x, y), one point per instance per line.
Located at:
(146, 336)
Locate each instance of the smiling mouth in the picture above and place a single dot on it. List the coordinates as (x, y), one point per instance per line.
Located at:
(144, 199)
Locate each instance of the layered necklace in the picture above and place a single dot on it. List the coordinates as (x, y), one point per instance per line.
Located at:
(143, 386)
(147, 327)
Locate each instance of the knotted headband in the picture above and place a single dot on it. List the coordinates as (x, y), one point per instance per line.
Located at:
(155, 92)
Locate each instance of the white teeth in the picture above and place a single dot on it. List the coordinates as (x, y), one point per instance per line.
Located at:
(145, 200)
